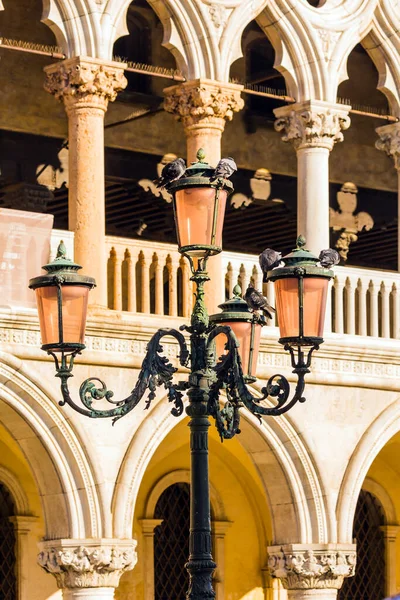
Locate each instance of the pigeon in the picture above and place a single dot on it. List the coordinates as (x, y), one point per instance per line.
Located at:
(269, 259)
(172, 171)
(256, 301)
(225, 168)
(328, 258)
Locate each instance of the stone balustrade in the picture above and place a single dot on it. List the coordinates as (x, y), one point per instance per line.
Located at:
(152, 278)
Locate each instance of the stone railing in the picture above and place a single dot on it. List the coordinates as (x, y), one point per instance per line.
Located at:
(151, 277)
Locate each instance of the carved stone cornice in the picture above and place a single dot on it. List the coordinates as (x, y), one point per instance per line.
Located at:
(312, 566)
(87, 563)
(312, 124)
(203, 102)
(85, 81)
(389, 142)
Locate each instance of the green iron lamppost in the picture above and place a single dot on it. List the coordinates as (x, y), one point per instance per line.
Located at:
(221, 355)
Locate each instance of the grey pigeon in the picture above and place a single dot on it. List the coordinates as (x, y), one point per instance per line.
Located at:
(225, 168)
(269, 259)
(256, 301)
(172, 171)
(328, 258)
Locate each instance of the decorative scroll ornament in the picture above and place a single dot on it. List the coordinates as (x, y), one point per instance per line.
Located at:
(321, 127)
(389, 142)
(203, 102)
(219, 15)
(75, 80)
(344, 222)
(323, 568)
(87, 566)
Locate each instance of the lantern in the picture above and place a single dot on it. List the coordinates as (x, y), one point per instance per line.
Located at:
(246, 326)
(301, 289)
(199, 208)
(62, 300)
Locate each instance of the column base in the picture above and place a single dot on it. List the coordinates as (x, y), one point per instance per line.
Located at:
(102, 593)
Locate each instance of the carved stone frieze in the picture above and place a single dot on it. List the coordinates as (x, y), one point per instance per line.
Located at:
(78, 80)
(95, 563)
(389, 142)
(313, 566)
(312, 124)
(203, 102)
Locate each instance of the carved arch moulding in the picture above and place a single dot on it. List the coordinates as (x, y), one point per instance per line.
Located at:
(312, 45)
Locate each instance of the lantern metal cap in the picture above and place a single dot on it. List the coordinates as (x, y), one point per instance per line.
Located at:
(300, 262)
(236, 309)
(198, 175)
(61, 270)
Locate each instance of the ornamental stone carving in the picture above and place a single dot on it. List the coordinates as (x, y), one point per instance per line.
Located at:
(77, 80)
(312, 124)
(389, 141)
(203, 102)
(312, 567)
(95, 563)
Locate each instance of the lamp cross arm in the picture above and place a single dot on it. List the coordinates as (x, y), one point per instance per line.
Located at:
(229, 376)
(156, 370)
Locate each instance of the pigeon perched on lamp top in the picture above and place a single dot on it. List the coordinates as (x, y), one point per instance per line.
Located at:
(171, 172)
(269, 259)
(256, 301)
(328, 258)
(225, 168)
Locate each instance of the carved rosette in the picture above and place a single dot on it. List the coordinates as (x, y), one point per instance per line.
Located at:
(203, 102)
(85, 81)
(95, 563)
(389, 141)
(312, 124)
(312, 567)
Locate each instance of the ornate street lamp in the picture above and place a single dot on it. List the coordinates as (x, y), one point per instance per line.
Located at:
(215, 365)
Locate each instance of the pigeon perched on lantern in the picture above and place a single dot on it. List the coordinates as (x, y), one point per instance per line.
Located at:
(256, 301)
(269, 259)
(328, 258)
(171, 172)
(225, 168)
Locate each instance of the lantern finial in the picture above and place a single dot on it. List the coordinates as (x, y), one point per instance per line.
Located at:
(300, 242)
(201, 155)
(61, 250)
(237, 291)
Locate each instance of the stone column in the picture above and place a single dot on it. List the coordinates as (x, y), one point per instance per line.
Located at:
(85, 86)
(204, 106)
(313, 127)
(312, 571)
(390, 533)
(87, 569)
(389, 142)
(148, 527)
(23, 528)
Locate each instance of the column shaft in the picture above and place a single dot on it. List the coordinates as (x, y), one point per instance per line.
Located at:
(105, 593)
(312, 594)
(313, 197)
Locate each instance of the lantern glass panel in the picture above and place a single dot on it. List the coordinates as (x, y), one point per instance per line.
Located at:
(195, 216)
(242, 330)
(314, 302)
(74, 311)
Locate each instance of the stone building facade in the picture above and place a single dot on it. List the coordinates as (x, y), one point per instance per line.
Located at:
(305, 96)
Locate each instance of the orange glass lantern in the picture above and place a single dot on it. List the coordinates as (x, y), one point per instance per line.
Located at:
(246, 326)
(301, 290)
(199, 208)
(62, 300)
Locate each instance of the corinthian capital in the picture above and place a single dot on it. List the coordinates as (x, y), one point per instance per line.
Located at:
(312, 124)
(87, 563)
(389, 141)
(203, 101)
(85, 81)
(313, 566)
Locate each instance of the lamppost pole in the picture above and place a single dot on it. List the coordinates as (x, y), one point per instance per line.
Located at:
(301, 288)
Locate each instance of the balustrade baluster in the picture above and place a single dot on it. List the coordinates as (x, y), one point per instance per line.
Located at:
(270, 293)
(350, 307)
(385, 294)
(186, 287)
(395, 311)
(117, 267)
(159, 284)
(145, 278)
(244, 278)
(374, 313)
(172, 266)
(339, 312)
(362, 307)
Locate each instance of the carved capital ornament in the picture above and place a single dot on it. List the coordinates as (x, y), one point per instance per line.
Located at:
(95, 563)
(312, 567)
(203, 102)
(312, 124)
(85, 81)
